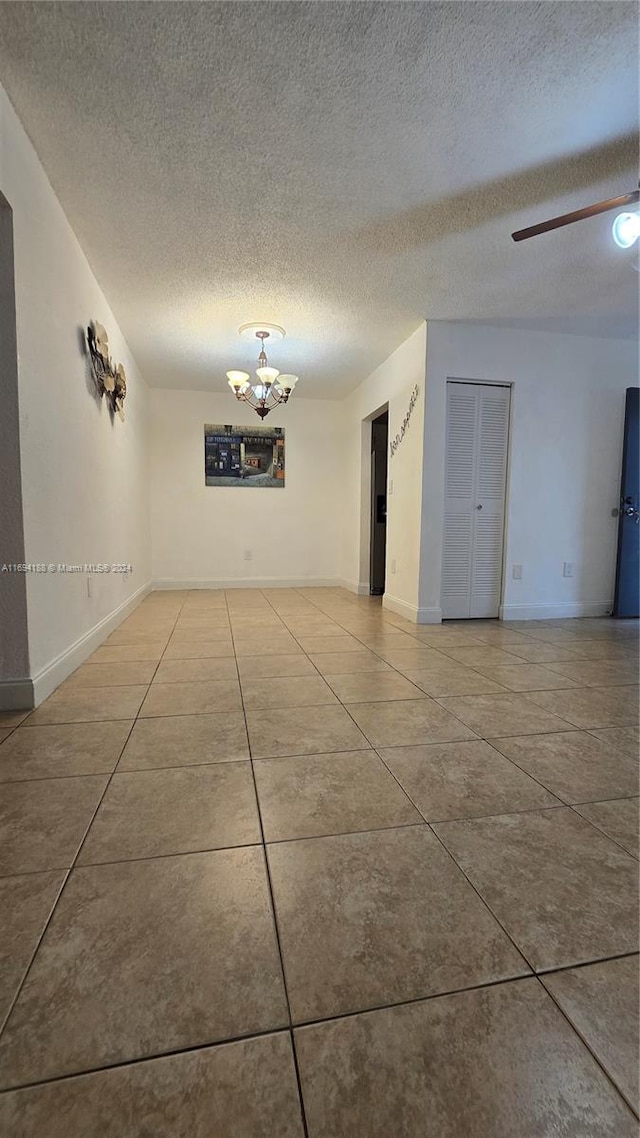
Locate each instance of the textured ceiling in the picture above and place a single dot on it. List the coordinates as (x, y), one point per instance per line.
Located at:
(342, 169)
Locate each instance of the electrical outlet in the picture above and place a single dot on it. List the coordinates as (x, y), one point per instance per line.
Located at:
(567, 569)
(248, 555)
(393, 565)
(516, 572)
(89, 586)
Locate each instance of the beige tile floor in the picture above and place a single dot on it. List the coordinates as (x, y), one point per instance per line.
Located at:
(277, 863)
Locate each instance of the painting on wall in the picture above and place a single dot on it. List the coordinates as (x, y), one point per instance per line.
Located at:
(243, 456)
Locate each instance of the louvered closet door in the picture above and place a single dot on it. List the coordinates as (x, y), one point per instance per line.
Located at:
(475, 474)
(459, 499)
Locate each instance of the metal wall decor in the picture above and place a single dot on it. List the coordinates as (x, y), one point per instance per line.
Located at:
(397, 439)
(110, 378)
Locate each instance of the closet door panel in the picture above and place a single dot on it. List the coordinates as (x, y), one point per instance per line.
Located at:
(475, 477)
(488, 536)
(460, 474)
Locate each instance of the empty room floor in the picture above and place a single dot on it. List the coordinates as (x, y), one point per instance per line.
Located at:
(279, 862)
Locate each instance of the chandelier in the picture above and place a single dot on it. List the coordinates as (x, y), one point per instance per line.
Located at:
(271, 388)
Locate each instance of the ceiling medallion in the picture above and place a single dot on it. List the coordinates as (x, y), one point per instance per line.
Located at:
(271, 388)
(248, 332)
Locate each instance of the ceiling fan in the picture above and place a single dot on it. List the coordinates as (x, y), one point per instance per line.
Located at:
(626, 227)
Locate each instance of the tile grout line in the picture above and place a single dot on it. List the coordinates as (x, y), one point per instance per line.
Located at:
(462, 871)
(585, 1042)
(599, 828)
(433, 823)
(422, 821)
(392, 668)
(617, 797)
(566, 727)
(27, 969)
(534, 972)
(450, 855)
(276, 929)
(561, 802)
(481, 737)
(487, 645)
(311, 1023)
(67, 876)
(438, 699)
(149, 1058)
(570, 727)
(539, 781)
(419, 644)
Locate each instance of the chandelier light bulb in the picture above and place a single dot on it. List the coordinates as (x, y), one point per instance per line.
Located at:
(626, 229)
(287, 382)
(237, 379)
(267, 374)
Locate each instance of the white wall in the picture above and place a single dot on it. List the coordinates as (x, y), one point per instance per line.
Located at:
(14, 641)
(200, 533)
(84, 477)
(391, 383)
(565, 457)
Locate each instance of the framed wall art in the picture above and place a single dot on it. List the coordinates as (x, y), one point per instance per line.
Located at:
(244, 456)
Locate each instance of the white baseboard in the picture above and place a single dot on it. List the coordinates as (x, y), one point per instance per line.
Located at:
(555, 612)
(246, 583)
(48, 678)
(429, 616)
(361, 588)
(412, 612)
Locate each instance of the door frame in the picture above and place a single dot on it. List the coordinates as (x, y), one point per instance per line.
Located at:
(475, 382)
(373, 501)
(364, 560)
(16, 688)
(631, 397)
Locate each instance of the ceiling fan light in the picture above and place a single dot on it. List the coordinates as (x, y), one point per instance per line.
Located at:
(626, 229)
(267, 374)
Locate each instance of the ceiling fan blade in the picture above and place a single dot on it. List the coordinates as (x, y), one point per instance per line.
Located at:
(577, 215)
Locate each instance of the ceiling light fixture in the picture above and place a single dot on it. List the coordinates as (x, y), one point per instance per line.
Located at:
(626, 229)
(271, 388)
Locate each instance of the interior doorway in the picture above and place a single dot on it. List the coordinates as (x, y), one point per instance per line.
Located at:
(379, 460)
(477, 438)
(627, 592)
